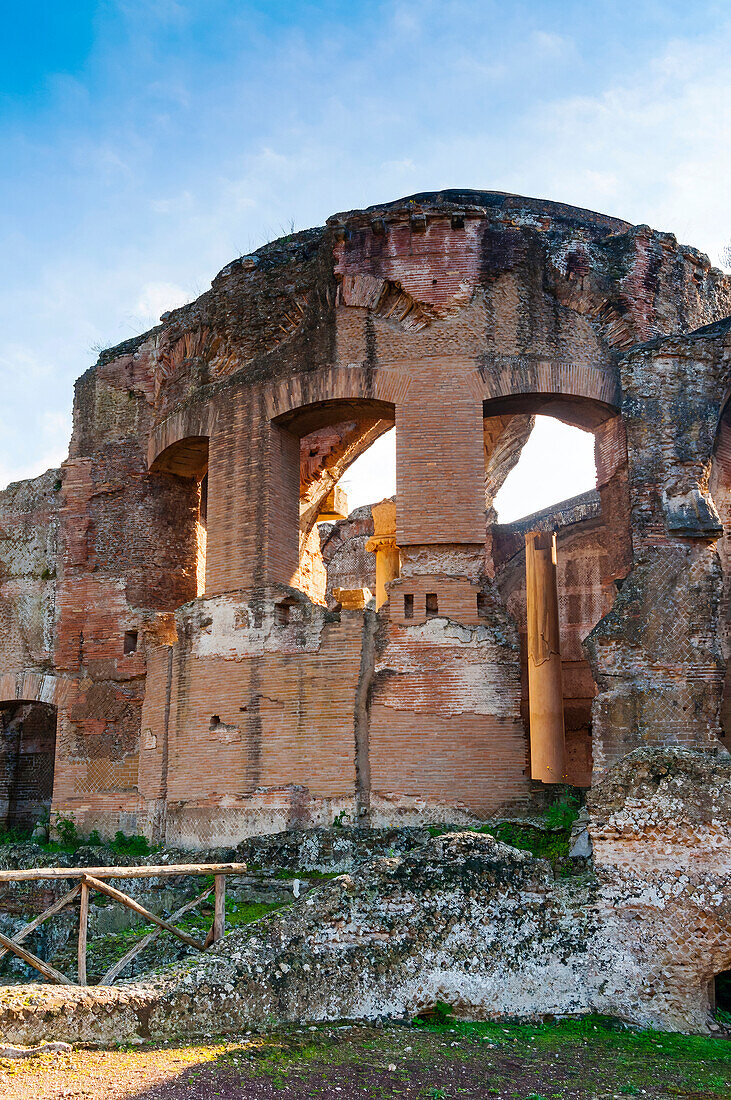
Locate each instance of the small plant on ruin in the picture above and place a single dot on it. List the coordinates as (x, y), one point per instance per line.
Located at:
(440, 1014)
(340, 819)
(563, 813)
(95, 840)
(66, 831)
(134, 845)
(14, 835)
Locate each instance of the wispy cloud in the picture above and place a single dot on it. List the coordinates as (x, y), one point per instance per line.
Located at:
(186, 132)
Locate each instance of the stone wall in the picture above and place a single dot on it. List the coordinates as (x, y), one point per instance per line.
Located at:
(29, 525)
(465, 920)
(658, 655)
(29, 529)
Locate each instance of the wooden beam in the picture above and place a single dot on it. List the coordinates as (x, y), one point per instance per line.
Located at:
(219, 913)
(33, 874)
(116, 970)
(130, 903)
(38, 921)
(33, 960)
(83, 930)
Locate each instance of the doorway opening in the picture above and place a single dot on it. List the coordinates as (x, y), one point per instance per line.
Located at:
(555, 464)
(342, 447)
(183, 471)
(547, 471)
(27, 754)
(721, 996)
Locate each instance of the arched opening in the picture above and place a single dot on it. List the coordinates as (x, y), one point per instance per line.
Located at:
(332, 437)
(720, 993)
(592, 549)
(27, 753)
(720, 488)
(184, 465)
(347, 543)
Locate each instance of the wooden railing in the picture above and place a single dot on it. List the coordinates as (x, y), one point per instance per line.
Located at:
(91, 880)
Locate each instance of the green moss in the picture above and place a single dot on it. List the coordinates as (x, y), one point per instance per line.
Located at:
(15, 836)
(240, 913)
(548, 840)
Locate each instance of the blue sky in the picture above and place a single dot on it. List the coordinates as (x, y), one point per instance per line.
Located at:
(147, 142)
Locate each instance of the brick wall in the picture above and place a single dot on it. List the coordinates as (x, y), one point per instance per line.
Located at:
(426, 314)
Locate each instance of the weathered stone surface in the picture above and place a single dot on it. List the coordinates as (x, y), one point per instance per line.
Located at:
(466, 920)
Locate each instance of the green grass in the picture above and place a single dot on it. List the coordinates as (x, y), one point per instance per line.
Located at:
(584, 1057)
(639, 1058)
(314, 876)
(539, 841)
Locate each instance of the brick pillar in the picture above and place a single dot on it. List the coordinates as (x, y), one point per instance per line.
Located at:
(253, 501)
(440, 463)
(440, 475)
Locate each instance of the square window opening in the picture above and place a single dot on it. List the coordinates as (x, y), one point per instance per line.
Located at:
(432, 605)
(408, 607)
(130, 642)
(283, 613)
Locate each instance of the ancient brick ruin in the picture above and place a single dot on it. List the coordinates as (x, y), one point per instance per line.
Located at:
(200, 650)
(189, 646)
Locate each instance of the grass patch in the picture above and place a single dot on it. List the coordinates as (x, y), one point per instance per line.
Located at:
(634, 1059)
(578, 1059)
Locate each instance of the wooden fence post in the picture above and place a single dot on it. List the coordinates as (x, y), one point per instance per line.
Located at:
(219, 908)
(83, 929)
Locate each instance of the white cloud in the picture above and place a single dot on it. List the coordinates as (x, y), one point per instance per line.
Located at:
(550, 44)
(179, 204)
(157, 298)
(658, 144)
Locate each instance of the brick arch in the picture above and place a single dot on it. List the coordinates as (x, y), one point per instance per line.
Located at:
(32, 687)
(29, 703)
(303, 419)
(187, 457)
(554, 381)
(583, 412)
(384, 385)
(184, 429)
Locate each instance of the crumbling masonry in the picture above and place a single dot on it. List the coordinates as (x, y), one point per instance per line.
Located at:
(203, 653)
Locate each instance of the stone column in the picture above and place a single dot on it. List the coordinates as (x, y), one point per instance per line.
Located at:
(545, 689)
(383, 545)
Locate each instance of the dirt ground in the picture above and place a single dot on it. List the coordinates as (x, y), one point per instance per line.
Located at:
(589, 1059)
